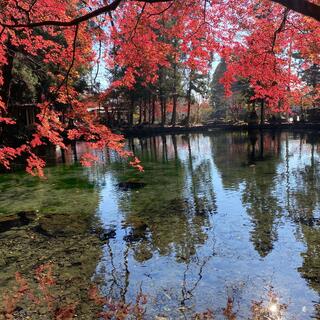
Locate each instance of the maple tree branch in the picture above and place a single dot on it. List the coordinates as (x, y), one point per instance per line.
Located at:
(66, 78)
(2, 31)
(205, 10)
(23, 10)
(107, 8)
(74, 47)
(138, 20)
(281, 27)
(95, 13)
(98, 62)
(32, 5)
(163, 11)
(301, 6)
(304, 7)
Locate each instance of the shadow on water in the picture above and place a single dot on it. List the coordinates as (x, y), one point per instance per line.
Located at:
(213, 216)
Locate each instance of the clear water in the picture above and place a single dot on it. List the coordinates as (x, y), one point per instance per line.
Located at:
(213, 216)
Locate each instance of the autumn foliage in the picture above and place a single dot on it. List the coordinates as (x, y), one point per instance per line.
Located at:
(42, 296)
(264, 43)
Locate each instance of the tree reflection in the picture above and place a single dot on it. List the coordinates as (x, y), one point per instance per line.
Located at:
(170, 214)
(201, 196)
(304, 208)
(168, 217)
(259, 196)
(280, 175)
(168, 221)
(229, 152)
(240, 159)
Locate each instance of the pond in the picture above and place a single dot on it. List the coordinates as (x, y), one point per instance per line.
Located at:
(215, 219)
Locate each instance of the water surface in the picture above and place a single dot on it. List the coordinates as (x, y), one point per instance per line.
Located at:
(213, 216)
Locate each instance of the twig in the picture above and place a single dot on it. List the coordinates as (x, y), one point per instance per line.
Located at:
(281, 27)
(133, 32)
(161, 12)
(65, 79)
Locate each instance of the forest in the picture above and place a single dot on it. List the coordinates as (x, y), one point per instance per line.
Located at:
(64, 63)
(160, 159)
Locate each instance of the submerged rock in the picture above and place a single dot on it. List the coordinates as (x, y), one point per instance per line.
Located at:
(16, 220)
(106, 234)
(63, 241)
(54, 225)
(136, 234)
(131, 185)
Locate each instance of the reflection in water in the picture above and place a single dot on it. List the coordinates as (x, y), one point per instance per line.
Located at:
(209, 204)
(260, 198)
(167, 215)
(213, 216)
(256, 179)
(168, 219)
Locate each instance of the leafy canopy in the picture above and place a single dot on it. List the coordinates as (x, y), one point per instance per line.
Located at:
(257, 38)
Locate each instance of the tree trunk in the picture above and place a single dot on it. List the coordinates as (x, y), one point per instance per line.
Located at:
(163, 103)
(74, 151)
(153, 109)
(144, 110)
(174, 111)
(5, 131)
(140, 112)
(174, 99)
(162, 100)
(7, 74)
(262, 113)
(164, 111)
(149, 110)
(261, 145)
(189, 104)
(130, 113)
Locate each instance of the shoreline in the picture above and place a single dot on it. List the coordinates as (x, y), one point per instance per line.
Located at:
(155, 130)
